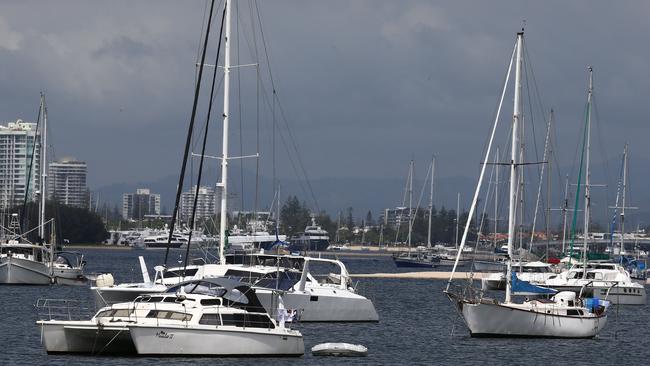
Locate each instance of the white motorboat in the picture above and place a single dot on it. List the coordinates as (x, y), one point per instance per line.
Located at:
(608, 281)
(563, 316)
(198, 324)
(68, 268)
(314, 238)
(24, 264)
(532, 272)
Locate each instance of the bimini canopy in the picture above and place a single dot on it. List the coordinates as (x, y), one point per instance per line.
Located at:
(233, 293)
(520, 287)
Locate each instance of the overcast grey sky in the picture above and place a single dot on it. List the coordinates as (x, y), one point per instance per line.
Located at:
(366, 84)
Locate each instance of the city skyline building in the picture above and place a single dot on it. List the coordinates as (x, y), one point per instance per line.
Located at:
(67, 182)
(19, 173)
(140, 204)
(205, 205)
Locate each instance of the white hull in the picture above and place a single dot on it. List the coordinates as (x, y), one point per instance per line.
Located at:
(319, 306)
(215, 341)
(85, 337)
(69, 276)
(504, 320)
(18, 271)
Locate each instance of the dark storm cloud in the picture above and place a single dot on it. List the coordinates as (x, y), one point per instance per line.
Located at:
(366, 84)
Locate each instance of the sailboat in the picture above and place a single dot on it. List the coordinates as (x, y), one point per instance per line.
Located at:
(335, 300)
(417, 258)
(21, 261)
(607, 280)
(564, 315)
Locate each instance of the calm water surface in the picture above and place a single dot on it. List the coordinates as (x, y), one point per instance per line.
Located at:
(418, 326)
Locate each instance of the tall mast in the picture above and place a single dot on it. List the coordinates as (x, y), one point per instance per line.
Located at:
(588, 174)
(565, 208)
(41, 216)
(224, 158)
(516, 116)
(496, 197)
(410, 202)
(433, 166)
(457, 217)
(623, 205)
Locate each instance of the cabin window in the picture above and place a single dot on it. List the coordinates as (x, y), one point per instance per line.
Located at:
(165, 314)
(114, 313)
(247, 320)
(210, 319)
(208, 302)
(313, 298)
(573, 312)
(180, 273)
(242, 274)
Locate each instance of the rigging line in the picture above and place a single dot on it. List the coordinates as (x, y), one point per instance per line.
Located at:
(241, 133)
(285, 144)
(483, 166)
(602, 152)
(297, 150)
(284, 118)
(406, 187)
(541, 181)
(23, 215)
(188, 140)
(424, 186)
(574, 221)
(205, 139)
(257, 110)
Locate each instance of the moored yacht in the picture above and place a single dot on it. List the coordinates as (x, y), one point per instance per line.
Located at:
(314, 238)
(600, 279)
(211, 317)
(24, 263)
(565, 315)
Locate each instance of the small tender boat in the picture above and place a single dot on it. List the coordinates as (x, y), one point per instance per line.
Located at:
(339, 350)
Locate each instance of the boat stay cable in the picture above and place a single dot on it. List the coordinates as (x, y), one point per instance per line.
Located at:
(483, 167)
(190, 129)
(204, 143)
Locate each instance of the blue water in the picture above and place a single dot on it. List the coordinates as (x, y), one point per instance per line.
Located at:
(418, 326)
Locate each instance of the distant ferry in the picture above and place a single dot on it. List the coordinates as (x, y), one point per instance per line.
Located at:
(314, 238)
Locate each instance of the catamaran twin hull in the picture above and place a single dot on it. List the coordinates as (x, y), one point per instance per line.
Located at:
(18, 271)
(178, 340)
(86, 337)
(492, 319)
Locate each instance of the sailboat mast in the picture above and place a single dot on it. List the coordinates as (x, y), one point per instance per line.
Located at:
(224, 158)
(496, 197)
(41, 216)
(410, 202)
(433, 166)
(457, 217)
(588, 174)
(623, 205)
(516, 116)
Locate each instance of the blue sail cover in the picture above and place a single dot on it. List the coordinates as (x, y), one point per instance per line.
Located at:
(520, 287)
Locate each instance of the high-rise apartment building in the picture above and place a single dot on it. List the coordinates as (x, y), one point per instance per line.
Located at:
(66, 182)
(205, 203)
(19, 172)
(139, 204)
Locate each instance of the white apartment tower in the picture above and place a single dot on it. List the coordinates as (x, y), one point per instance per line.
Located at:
(140, 204)
(67, 182)
(19, 173)
(205, 204)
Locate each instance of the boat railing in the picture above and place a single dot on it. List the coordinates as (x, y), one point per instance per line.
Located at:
(63, 309)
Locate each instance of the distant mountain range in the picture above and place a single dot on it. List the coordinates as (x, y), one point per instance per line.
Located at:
(375, 194)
